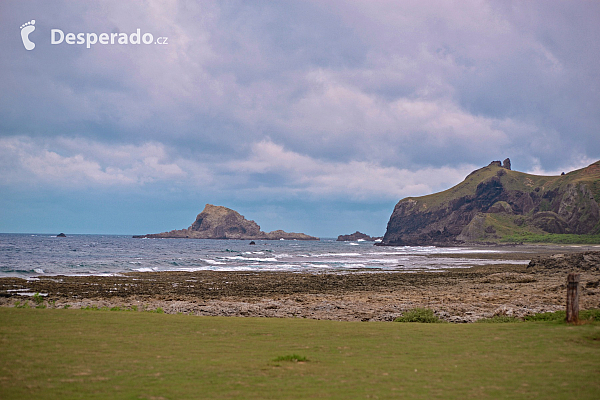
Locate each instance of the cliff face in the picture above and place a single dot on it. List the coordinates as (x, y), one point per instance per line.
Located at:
(217, 222)
(493, 202)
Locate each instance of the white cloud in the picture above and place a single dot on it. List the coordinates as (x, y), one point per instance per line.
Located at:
(336, 114)
(357, 180)
(413, 86)
(573, 164)
(266, 170)
(79, 162)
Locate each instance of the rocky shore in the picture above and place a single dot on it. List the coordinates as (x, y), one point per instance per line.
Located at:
(458, 295)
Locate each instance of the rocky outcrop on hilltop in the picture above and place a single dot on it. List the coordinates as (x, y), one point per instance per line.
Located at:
(218, 222)
(494, 202)
(356, 236)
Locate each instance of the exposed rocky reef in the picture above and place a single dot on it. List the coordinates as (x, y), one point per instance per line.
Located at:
(218, 222)
(356, 236)
(567, 262)
(494, 202)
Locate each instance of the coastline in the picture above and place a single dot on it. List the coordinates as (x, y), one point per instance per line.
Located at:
(457, 295)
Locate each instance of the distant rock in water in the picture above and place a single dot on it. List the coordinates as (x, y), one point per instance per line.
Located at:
(356, 236)
(61, 235)
(218, 222)
(494, 202)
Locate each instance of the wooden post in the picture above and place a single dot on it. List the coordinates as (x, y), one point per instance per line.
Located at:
(573, 297)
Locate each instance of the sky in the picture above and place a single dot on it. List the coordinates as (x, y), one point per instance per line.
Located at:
(307, 116)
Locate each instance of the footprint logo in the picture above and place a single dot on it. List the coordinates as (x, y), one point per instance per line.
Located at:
(26, 29)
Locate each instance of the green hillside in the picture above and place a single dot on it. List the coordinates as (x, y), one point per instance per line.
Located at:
(496, 204)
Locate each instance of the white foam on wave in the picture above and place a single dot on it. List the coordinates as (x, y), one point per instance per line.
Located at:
(337, 255)
(283, 255)
(353, 265)
(388, 253)
(235, 268)
(385, 260)
(213, 262)
(146, 269)
(279, 267)
(441, 250)
(240, 258)
(313, 265)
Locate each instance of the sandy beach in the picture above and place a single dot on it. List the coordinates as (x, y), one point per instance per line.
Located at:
(458, 295)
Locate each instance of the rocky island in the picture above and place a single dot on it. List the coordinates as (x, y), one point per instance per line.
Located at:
(218, 222)
(356, 236)
(495, 202)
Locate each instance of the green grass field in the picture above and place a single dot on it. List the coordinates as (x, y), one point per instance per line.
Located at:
(78, 354)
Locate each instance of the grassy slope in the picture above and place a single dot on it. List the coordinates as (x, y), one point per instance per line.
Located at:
(67, 354)
(515, 180)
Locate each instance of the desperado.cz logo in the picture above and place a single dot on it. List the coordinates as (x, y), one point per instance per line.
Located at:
(57, 36)
(26, 29)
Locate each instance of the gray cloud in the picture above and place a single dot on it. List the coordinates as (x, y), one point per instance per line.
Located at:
(323, 99)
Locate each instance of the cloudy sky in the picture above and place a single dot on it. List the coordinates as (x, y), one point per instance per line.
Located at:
(311, 116)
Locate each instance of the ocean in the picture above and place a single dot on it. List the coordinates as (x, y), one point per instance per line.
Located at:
(30, 255)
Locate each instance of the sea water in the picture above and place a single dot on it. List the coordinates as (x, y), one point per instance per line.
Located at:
(29, 255)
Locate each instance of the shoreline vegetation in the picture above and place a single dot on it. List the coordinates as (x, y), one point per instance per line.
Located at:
(551, 238)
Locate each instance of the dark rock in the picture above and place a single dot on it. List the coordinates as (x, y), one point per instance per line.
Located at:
(519, 221)
(585, 261)
(549, 221)
(501, 207)
(490, 229)
(218, 222)
(61, 235)
(223, 223)
(253, 242)
(505, 164)
(356, 236)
